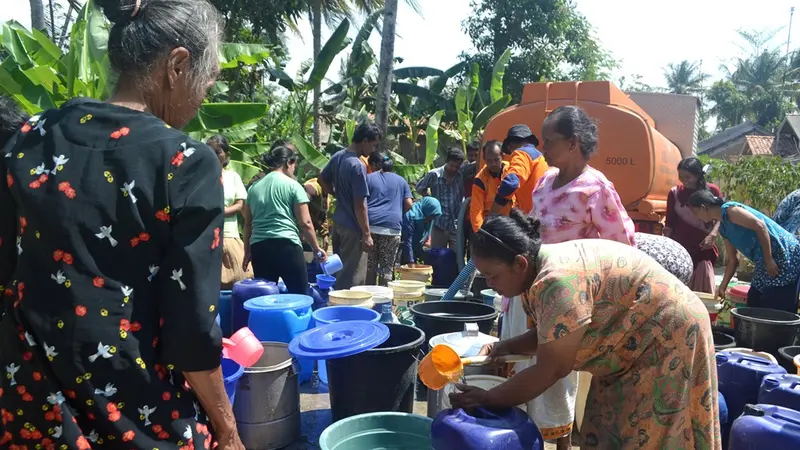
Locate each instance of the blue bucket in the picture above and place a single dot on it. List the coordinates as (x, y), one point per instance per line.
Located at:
(332, 314)
(231, 372)
(325, 281)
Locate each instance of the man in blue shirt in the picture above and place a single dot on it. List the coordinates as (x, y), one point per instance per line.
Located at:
(345, 175)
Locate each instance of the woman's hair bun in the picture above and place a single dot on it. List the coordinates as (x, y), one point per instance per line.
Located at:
(117, 11)
(528, 224)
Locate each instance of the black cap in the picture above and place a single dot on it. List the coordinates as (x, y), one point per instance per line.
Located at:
(521, 132)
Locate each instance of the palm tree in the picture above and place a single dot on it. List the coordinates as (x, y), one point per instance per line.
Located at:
(385, 68)
(685, 78)
(333, 11)
(37, 15)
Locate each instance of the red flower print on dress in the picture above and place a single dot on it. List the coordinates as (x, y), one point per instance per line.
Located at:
(175, 415)
(128, 436)
(98, 282)
(37, 376)
(82, 443)
(35, 184)
(163, 215)
(68, 258)
(177, 160)
(27, 397)
(9, 180)
(26, 128)
(70, 193)
(136, 326)
(63, 186)
(80, 310)
(124, 131)
(215, 242)
(144, 237)
(43, 178)
(58, 255)
(134, 242)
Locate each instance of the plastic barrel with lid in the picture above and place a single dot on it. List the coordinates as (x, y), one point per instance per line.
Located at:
(372, 367)
(279, 318)
(334, 314)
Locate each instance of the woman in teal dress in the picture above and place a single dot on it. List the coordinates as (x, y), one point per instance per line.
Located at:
(417, 227)
(774, 251)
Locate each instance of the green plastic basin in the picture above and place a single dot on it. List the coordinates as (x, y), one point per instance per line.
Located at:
(378, 431)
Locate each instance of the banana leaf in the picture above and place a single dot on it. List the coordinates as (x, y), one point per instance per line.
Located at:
(419, 92)
(411, 172)
(498, 73)
(417, 72)
(231, 55)
(439, 83)
(310, 153)
(432, 138)
(335, 44)
(217, 116)
(490, 111)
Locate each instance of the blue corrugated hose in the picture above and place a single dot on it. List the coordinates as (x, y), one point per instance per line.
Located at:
(461, 281)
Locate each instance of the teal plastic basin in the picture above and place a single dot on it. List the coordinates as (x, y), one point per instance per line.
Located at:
(378, 431)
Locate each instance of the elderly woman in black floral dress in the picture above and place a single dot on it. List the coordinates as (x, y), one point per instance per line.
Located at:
(110, 232)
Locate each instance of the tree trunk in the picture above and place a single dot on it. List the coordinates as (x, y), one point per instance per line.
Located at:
(37, 15)
(52, 21)
(384, 93)
(317, 31)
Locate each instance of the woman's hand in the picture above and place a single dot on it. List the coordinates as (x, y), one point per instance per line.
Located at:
(247, 259)
(708, 242)
(320, 255)
(722, 290)
(494, 350)
(771, 267)
(230, 441)
(367, 243)
(469, 397)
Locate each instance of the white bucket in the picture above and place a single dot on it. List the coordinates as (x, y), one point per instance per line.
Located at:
(380, 294)
(351, 298)
(484, 382)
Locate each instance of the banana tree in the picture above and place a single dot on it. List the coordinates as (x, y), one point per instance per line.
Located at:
(474, 108)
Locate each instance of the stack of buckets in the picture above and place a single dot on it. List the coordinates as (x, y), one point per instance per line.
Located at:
(406, 293)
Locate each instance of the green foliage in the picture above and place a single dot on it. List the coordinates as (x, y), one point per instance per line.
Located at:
(549, 38)
(758, 181)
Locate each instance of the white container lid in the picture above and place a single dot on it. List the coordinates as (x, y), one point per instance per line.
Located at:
(463, 344)
(380, 294)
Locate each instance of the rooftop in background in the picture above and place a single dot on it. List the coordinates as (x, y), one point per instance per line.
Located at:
(729, 136)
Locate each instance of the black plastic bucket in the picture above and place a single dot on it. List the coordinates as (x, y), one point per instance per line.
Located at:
(435, 318)
(786, 357)
(723, 341)
(378, 380)
(765, 330)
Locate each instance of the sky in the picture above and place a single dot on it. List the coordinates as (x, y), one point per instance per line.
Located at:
(643, 35)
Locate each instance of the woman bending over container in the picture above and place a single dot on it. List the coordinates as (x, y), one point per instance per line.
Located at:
(389, 198)
(111, 230)
(605, 308)
(696, 236)
(417, 227)
(572, 201)
(275, 214)
(235, 195)
(774, 251)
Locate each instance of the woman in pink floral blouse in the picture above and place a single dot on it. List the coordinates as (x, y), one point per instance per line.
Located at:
(574, 200)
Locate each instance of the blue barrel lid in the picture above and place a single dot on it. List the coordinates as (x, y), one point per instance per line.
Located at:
(278, 302)
(339, 339)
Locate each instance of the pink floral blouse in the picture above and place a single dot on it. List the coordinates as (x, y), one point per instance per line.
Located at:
(586, 208)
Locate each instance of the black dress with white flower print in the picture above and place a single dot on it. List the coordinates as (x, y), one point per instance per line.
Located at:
(110, 264)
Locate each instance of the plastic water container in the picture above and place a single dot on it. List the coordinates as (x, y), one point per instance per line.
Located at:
(243, 291)
(279, 318)
(723, 410)
(445, 265)
(333, 314)
(325, 281)
(380, 295)
(225, 311)
(740, 376)
(766, 427)
(482, 429)
(231, 372)
(780, 390)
